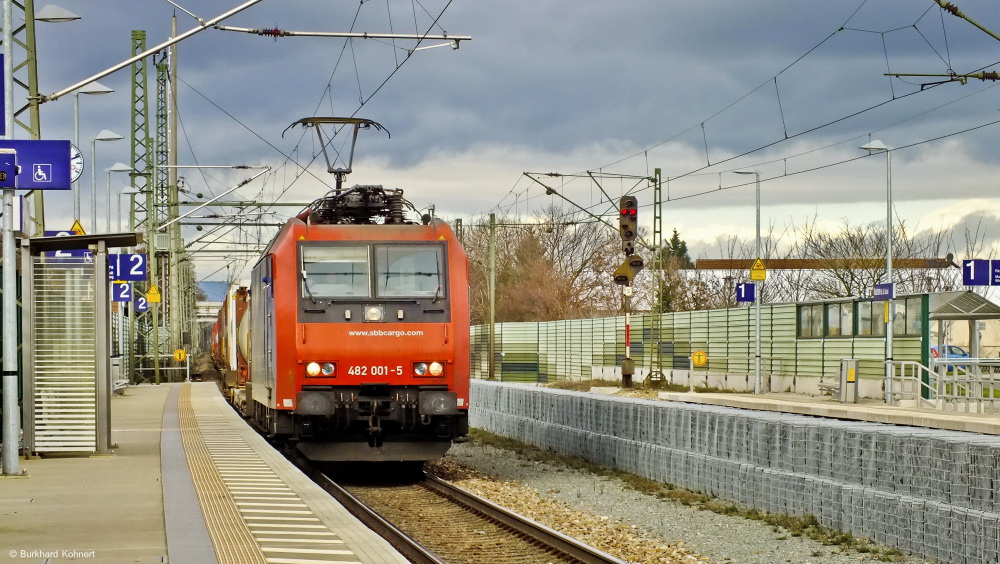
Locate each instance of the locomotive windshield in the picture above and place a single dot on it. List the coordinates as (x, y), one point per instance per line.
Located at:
(335, 272)
(346, 271)
(409, 271)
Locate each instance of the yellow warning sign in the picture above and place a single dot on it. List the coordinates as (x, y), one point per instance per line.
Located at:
(180, 355)
(153, 294)
(757, 271)
(699, 358)
(77, 228)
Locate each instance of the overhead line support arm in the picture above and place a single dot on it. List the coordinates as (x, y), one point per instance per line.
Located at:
(275, 32)
(204, 25)
(953, 10)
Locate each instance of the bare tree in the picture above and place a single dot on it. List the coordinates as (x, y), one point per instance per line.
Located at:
(844, 259)
(554, 266)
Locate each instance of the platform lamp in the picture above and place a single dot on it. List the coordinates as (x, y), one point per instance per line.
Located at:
(876, 146)
(75, 159)
(130, 192)
(117, 167)
(757, 383)
(55, 14)
(104, 135)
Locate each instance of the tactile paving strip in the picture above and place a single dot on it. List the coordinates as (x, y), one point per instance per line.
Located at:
(231, 538)
(256, 515)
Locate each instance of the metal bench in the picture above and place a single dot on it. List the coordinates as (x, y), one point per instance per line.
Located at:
(829, 389)
(118, 387)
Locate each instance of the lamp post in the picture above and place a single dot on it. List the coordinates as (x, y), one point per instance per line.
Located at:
(117, 167)
(104, 135)
(34, 221)
(92, 88)
(130, 192)
(759, 293)
(876, 146)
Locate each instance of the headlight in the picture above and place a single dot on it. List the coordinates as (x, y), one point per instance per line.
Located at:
(374, 313)
(328, 369)
(428, 368)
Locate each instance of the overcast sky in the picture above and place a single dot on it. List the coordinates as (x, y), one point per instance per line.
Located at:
(697, 89)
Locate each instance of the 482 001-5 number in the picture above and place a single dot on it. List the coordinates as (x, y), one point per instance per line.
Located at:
(375, 370)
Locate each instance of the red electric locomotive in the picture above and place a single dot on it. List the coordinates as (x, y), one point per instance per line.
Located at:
(359, 331)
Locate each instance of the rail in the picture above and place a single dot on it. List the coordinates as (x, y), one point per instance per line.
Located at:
(406, 545)
(540, 533)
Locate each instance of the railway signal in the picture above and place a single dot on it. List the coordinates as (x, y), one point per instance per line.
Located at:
(628, 269)
(628, 223)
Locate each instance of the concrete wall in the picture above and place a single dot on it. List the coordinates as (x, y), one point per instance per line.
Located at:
(926, 491)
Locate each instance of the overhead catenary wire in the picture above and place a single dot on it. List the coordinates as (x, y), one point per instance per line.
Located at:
(291, 163)
(893, 97)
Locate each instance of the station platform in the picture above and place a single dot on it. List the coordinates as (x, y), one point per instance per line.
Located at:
(189, 481)
(871, 410)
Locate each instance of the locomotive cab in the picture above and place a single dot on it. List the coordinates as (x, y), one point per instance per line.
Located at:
(360, 333)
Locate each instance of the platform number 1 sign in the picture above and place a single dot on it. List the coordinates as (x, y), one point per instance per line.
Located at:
(981, 272)
(746, 292)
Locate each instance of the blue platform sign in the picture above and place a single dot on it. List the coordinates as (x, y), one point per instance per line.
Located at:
(3, 100)
(121, 292)
(976, 272)
(884, 291)
(8, 170)
(995, 272)
(44, 164)
(746, 292)
(84, 252)
(128, 267)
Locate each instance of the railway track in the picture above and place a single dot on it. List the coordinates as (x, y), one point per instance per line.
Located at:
(433, 521)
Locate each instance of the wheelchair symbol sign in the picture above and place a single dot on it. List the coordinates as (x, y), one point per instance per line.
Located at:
(41, 172)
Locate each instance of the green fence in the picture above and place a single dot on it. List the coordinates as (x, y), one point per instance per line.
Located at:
(580, 349)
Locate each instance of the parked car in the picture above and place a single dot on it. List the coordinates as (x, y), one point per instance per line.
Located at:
(951, 351)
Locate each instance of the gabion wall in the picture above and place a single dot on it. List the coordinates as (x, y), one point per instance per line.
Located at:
(930, 492)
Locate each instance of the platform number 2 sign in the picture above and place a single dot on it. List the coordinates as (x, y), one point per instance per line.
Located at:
(128, 267)
(121, 292)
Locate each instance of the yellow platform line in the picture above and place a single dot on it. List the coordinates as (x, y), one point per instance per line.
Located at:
(230, 535)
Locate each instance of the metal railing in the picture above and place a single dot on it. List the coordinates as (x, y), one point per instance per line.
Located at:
(908, 385)
(971, 387)
(145, 372)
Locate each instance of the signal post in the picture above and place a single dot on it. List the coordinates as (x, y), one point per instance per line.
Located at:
(628, 227)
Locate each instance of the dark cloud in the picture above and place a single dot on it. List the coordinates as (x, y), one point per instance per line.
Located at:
(577, 85)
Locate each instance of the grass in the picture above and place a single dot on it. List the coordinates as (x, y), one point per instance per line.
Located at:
(795, 526)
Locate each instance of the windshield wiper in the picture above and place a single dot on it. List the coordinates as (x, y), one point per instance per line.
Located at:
(305, 285)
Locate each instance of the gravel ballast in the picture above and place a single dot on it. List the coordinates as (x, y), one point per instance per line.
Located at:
(685, 533)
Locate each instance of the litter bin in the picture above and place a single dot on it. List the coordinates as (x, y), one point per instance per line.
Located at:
(849, 380)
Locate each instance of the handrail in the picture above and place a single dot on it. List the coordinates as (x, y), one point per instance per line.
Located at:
(961, 390)
(921, 386)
